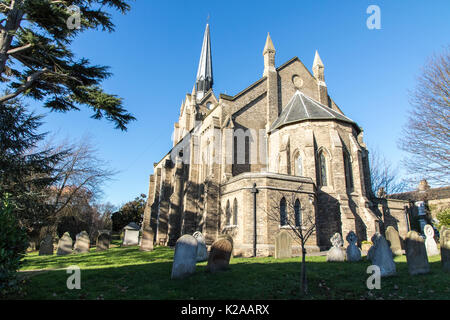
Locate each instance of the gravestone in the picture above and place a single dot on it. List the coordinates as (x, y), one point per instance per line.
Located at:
(228, 237)
(46, 247)
(202, 252)
(337, 251)
(147, 240)
(430, 244)
(381, 255)
(185, 257)
(82, 243)
(219, 255)
(103, 241)
(131, 234)
(445, 248)
(283, 245)
(416, 254)
(64, 245)
(353, 252)
(394, 239)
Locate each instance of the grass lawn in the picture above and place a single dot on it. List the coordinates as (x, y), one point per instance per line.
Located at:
(127, 273)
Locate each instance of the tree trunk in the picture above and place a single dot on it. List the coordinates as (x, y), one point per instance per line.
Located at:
(14, 17)
(304, 282)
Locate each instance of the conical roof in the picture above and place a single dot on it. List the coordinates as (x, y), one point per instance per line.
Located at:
(302, 108)
(205, 64)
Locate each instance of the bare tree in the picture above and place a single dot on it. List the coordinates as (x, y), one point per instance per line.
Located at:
(426, 136)
(285, 209)
(80, 173)
(384, 175)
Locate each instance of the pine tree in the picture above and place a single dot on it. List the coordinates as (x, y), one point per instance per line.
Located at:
(36, 59)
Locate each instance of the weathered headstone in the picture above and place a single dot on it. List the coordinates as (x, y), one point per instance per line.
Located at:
(416, 254)
(394, 240)
(228, 237)
(337, 251)
(381, 255)
(283, 245)
(202, 252)
(131, 234)
(353, 252)
(147, 240)
(430, 243)
(46, 247)
(64, 245)
(445, 248)
(103, 241)
(219, 255)
(82, 242)
(185, 257)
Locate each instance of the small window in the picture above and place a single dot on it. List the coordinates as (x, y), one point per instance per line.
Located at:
(235, 212)
(322, 170)
(348, 170)
(299, 166)
(228, 213)
(283, 217)
(297, 212)
(209, 105)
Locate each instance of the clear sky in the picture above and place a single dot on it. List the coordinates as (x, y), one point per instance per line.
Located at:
(155, 50)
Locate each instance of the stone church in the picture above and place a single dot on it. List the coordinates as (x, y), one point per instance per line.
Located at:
(279, 154)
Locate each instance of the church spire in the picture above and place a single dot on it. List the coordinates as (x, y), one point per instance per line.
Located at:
(204, 80)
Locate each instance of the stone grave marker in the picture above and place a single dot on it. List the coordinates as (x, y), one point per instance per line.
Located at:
(283, 245)
(202, 252)
(445, 248)
(353, 252)
(219, 255)
(416, 254)
(64, 245)
(46, 247)
(185, 257)
(103, 241)
(82, 243)
(394, 239)
(430, 243)
(147, 240)
(337, 252)
(381, 255)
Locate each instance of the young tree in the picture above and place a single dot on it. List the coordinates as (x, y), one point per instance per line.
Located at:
(36, 60)
(132, 211)
(426, 136)
(289, 213)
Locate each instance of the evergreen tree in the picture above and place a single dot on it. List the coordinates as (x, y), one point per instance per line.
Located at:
(36, 60)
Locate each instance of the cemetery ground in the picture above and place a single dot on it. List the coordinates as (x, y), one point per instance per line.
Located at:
(128, 273)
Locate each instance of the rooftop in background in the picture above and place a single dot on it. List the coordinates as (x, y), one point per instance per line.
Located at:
(423, 192)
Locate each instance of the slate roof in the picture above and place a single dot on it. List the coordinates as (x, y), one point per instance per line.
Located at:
(132, 226)
(430, 194)
(301, 108)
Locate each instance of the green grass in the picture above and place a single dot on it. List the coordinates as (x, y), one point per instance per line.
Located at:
(127, 273)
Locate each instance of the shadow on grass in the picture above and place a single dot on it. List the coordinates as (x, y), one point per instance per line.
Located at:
(257, 278)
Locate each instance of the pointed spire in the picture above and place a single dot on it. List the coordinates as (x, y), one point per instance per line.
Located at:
(205, 74)
(269, 45)
(317, 61)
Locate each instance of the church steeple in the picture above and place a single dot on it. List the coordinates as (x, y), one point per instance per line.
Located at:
(204, 80)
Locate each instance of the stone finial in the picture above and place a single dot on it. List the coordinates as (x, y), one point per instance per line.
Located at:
(423, 185)
(269, 56)
(317, 61)
(318, 69)
(269, 47)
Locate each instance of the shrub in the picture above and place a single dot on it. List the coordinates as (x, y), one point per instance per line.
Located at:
(13, 246)
(444, 218)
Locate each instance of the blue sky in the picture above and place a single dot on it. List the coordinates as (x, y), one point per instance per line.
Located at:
(155, 50)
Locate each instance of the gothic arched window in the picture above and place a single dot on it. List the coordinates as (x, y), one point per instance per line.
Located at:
(297, 213)
(228, 213)
(235, 212)
(348, 170)
(283, 216)
(299, 165)
(322, 169)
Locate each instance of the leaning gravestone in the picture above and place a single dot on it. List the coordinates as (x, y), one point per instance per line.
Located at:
(82, 243)
(430, 244)
(46, 247)
(185, 257)
(337, 251)
(394, 239)
(147, 240)
(219, 255)
(416, 254)
(381, 255)
(103, 241)
(283, 245)
(445, 248)
(353, 252)
(202, 252)
(64, 245)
